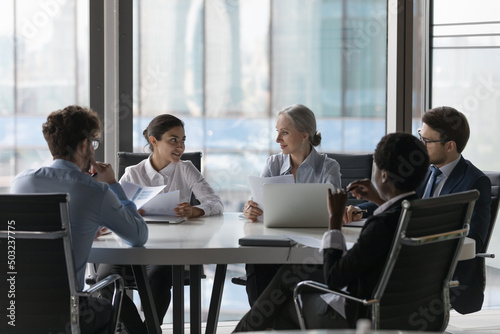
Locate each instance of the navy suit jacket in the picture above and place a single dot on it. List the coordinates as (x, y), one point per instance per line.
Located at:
(468, 296)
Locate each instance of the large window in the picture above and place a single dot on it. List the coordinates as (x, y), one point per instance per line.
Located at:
(43, 67)
(227, 67)
(466, 75)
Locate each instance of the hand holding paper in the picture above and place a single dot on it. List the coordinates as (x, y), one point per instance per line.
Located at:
(150, 200)
(257, 185)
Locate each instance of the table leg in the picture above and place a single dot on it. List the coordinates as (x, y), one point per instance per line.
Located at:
(147, 302)
(178, 299)
(213, 311)
(195, 298)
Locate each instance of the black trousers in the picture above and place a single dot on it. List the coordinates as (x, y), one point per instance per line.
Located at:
(258, 278)
(160, 280)
(275, 309)
(95, 314)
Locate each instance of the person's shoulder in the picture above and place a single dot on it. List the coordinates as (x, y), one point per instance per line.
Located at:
(388, 218)
(276, 159)
(329, 161)
(186, 166)
(474, 173)
(137, 167)
(27, 172)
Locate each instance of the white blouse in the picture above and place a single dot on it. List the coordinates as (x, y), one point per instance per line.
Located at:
(182, 176)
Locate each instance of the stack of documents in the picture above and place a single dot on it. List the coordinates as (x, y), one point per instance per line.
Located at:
(157, 207)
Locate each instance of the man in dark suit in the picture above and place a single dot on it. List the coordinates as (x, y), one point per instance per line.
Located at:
(358, 269)
(445, 132)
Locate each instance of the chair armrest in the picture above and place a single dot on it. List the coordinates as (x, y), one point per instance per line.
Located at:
(297, 298)
(92, 274)
(116, 300)
(325, 289)
(111, 279)
(491, 256)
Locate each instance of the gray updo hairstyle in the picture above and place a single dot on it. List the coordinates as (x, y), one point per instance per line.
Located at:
(303, 120)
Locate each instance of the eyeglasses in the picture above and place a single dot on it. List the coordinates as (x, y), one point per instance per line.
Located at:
(425, 141)
(95, 143)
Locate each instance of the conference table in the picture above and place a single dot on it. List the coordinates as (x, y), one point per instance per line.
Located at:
(209, 240)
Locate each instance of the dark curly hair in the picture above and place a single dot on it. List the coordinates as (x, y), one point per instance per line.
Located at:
(159, 125)
(66, 128)
(405, 159)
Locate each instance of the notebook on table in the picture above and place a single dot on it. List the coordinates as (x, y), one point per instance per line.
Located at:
(296, 204)
(164, 219)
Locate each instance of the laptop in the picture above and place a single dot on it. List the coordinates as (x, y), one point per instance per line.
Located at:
(164, 219)
(296, 204)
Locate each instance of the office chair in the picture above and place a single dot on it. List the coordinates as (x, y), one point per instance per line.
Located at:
(495, 201)
(417, 273)
(40, 284)
(353, 167)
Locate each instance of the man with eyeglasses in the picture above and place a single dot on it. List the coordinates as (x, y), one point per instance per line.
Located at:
(445, 132)
(98, 201)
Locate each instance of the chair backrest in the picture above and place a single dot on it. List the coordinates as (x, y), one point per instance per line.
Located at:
(126, 159)
(353, 167)
(413, 289)
(38, 282)
(495, 201)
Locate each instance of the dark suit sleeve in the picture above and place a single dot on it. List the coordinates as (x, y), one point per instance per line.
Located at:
(480, 220)
(364, 260)
(370, 207)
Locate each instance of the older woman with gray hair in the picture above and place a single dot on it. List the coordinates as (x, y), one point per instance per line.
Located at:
(297, 137)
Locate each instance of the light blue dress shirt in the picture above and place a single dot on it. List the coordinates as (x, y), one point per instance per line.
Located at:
(91, 204)
(316, 168)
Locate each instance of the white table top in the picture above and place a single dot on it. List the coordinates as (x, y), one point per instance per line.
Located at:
(214, 240)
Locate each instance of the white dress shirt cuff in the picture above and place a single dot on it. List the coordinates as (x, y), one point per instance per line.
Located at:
(333, 239)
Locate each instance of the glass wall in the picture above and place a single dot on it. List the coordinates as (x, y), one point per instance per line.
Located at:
(227, 67)
(44, 66)
(466, 75)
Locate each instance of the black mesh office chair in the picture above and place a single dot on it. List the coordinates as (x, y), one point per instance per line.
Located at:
(38, 279)
(417, 273)
(353, 167)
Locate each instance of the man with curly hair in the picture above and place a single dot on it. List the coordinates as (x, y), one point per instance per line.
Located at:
(96, 199)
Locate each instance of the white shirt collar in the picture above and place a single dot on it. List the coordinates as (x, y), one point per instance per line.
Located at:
(390, 202)
(151, 172)
(448, 168)
(311, 160)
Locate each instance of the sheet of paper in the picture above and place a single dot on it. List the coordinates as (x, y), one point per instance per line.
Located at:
(162, 204)
(140, 195)
(257, 185)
